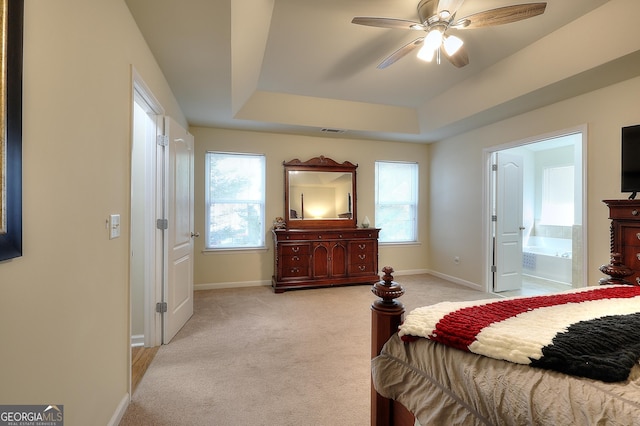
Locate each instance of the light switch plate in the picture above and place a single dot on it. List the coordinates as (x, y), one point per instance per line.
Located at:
(114, 226)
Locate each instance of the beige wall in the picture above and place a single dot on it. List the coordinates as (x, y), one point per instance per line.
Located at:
(456, 183)
(256, 267)
(64, 305)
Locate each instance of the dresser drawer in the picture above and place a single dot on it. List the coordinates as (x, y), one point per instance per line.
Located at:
(311, 236)
(630, 236)
(294, 249)
(366, 268)
(361, 247)
(296, 266)
(631, 259)
(365, 234)
(624, 212)
(361, 257)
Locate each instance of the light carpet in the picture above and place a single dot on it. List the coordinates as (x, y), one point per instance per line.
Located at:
(249, 356)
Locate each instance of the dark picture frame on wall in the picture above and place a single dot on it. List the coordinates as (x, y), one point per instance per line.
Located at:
(11, 30)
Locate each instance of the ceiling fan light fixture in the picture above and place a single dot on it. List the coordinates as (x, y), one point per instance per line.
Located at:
(431, 44)
(433, 40)
(452, 44)
(426, 54)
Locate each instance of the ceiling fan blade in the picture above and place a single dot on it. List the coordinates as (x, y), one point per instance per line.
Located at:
(402, 24)
(458, 59)
(501, 15)
(400, 53)
(427, 8)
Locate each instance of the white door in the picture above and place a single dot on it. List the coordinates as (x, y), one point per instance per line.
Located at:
(178, 292)
(508, 223)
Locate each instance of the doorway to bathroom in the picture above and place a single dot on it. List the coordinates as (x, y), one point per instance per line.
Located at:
(536, 198)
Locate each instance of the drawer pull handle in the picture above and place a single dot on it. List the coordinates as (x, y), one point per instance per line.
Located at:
(634, 212)
(295, 249)
(295, 270)
(638, 256)
(362, 267)
(362, 246)
(638, 280)
(296, 258)
(638, 235)
(362, 256)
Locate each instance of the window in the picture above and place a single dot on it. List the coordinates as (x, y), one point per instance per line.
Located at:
(235, 187)
(396, 201)
(557, 195)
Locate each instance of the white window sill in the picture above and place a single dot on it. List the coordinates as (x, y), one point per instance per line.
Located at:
(407, 243)
(235, 250)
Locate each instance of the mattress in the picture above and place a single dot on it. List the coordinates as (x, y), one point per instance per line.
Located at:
(442, 385)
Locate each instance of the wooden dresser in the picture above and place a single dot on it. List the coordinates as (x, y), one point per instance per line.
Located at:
(324, 257)
(625, 234)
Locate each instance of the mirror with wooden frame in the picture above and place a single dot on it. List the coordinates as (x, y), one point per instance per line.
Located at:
(320, 193)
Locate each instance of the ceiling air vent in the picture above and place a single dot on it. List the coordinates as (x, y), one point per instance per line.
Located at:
(335, 131)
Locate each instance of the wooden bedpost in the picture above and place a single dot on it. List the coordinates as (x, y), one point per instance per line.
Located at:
(386, 316)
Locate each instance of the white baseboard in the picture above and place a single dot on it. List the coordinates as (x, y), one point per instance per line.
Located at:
(408, 272)
(238, 284)
(120, 410)
(137, 340)
(241, 284)
(456, 280)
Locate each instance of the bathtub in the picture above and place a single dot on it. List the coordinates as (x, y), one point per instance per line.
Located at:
(548, 258)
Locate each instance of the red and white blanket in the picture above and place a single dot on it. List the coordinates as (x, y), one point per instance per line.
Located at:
(592, 332)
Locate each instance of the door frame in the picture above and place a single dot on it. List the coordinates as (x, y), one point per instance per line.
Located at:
(487, 230)
(153, 241)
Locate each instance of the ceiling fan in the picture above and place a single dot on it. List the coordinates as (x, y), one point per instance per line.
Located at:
(438, 16)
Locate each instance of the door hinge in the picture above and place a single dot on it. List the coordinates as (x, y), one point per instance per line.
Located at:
(162, 140)
(494, 268)
(494, 218)
(162, 224)
(494, 167)
(161, 307)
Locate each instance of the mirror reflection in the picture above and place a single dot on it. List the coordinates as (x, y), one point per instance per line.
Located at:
(320, 195)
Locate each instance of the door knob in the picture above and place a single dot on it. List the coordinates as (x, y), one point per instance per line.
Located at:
(522, 228)
(196, 235)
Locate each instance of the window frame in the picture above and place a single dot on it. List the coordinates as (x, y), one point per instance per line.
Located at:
(412, 203)
(208, 203)
(549, 191)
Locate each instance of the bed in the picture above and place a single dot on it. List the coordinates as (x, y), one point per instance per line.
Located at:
(426, 372)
